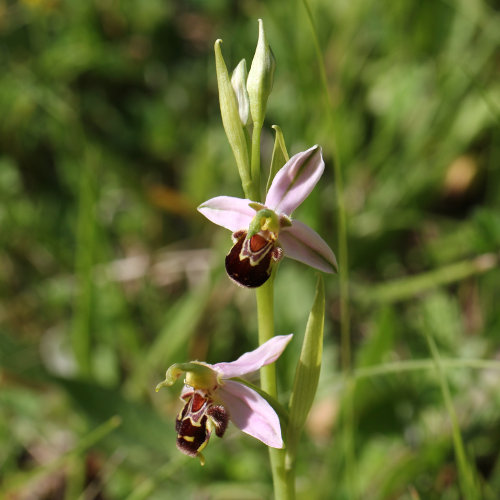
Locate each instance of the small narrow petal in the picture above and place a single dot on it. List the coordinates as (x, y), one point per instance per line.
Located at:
(229, 212)
(251, 413)
(302, 243)
(293, 183)
(251, 361)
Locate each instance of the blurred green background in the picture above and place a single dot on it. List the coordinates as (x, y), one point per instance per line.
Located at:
(110, 136)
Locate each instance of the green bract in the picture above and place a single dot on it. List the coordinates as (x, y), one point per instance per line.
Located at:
(306, 374)
(232, 122)
(280, 155)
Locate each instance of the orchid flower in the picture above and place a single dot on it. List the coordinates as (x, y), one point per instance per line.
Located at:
(211, 399)
(262, 233)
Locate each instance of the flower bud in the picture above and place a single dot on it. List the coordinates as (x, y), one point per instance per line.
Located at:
(238, 81)
(260, 77)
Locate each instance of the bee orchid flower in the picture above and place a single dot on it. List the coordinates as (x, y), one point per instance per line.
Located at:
(263, 233)
(211, 399)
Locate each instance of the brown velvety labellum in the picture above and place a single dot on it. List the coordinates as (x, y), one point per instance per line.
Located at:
(191, 436)
(193, 423)
(242, 270)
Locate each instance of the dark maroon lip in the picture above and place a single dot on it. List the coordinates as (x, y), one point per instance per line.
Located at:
(249, 262)
(192, 424)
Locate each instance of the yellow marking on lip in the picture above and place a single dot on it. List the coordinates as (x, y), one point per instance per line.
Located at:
(189, 439)
(202, 446)
(193, 423)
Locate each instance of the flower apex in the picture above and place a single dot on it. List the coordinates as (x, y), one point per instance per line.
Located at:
(260, 77)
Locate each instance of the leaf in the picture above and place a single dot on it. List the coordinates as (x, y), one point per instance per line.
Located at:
(307, 372)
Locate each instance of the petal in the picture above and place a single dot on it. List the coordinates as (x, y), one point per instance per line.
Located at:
(302, 243)
(229, 212)
(251, 413)
(251, 361)
(293, 183)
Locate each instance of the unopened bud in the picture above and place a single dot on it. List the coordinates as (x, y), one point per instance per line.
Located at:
(260, 77)
(238, 81)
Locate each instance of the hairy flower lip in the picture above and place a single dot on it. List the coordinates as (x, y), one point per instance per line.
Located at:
(290, 187)
(250, 260)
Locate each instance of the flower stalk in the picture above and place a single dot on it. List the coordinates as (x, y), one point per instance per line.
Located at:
(263, 231)
(283, 483)
(255, 157)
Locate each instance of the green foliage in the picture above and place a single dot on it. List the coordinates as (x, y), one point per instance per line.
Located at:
(110, 136)
(306, 374)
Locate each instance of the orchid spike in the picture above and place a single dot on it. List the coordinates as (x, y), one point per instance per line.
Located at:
(211, 399)
(262, 233)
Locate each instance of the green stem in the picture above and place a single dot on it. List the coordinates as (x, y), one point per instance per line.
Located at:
(255, 161)
(284, 483)
(265, 317)
(84, 263)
